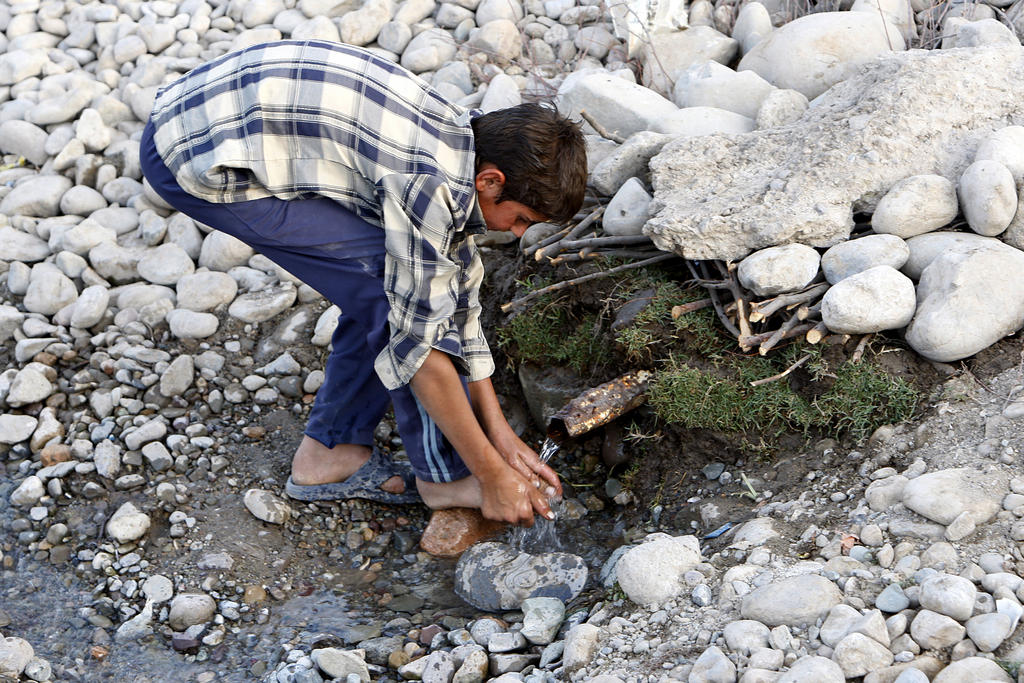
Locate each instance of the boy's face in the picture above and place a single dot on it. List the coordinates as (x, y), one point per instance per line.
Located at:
(506, 216)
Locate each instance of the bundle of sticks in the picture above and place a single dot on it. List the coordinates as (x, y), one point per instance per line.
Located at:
(577, 243)
(765, 323)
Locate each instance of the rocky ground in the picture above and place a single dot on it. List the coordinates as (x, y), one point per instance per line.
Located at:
(157, 377)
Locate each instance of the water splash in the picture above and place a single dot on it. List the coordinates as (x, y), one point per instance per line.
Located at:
(543, 535)
(549, 448)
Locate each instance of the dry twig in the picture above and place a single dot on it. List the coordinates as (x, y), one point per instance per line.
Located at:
(601, 130)
(683, 309)
(521, 301)
(777, 336)
(816, 333)
(717, 303)
(760, 310)
(862, 346)
(552, 245)
(784, 373)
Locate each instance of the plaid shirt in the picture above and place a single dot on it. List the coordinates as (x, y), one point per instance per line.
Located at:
(296, 119)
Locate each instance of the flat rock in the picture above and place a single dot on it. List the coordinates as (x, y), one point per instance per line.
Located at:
(340, 664)
(38, 196)
(25, 139)
(803, 182)
(16, 428)
(971, 670)
(942, 496)
(796, 601)
(255, 307)
(451, 531)
(580, 645)
(988, 631)
(493, 576)
(693, 121)
(16, 245)
(541, 619)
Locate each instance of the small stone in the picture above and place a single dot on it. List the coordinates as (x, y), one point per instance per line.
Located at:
(713, 666)
(337, 663)
(580, 644)
(128, 524)
(189, 609)
(15, 654)
(541, 619)
(934, 631)
(265, 506)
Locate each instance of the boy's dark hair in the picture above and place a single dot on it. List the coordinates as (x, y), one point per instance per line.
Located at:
(542, 155)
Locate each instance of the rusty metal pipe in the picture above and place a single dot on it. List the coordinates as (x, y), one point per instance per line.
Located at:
(599, 406)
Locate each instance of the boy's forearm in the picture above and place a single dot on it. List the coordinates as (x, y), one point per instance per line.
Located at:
(486, 406)
(438, 387)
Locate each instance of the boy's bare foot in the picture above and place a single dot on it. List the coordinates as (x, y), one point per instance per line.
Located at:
(462, 493)
(315, 463)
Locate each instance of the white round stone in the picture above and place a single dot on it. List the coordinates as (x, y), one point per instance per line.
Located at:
(165, 265)
(879, 298)
(988, 197)
(854, 256)
(775, 270)
(916, 205)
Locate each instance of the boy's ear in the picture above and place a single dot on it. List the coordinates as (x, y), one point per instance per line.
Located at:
(489, 178)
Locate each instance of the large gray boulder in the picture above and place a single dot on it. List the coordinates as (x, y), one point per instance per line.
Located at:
(720, 197)
(816, 51)
(968, 299)
(617, 104)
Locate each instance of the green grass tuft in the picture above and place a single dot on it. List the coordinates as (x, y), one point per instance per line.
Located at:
(862, 397)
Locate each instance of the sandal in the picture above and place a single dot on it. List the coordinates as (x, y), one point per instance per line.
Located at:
(364, 483)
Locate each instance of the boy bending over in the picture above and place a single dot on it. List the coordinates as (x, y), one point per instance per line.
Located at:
(362, 181)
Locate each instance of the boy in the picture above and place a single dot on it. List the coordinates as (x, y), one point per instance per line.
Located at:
(358, 178)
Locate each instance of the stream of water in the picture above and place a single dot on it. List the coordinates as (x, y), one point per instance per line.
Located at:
(543, 535)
